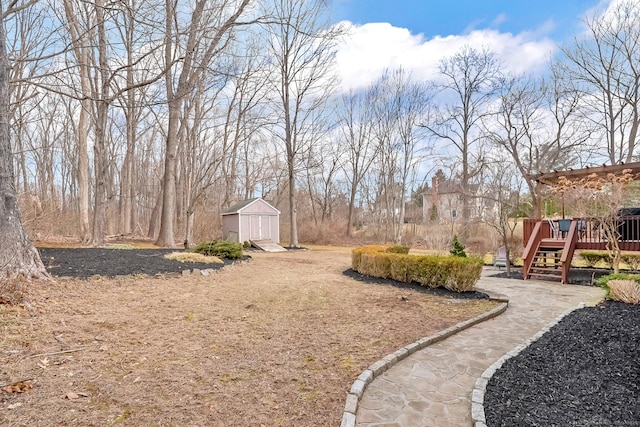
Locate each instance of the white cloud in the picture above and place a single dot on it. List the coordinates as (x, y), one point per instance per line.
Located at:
(370, 48)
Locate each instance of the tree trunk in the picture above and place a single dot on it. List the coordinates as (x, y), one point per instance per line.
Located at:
(100, 144)
(188, 232)
(352, 201)
(293, 229)
(82, 56)
(18, 257)
(155, 216)
(167, 218)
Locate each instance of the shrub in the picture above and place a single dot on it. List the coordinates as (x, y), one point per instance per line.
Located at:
(604, 280)
(593, 258)
(397, 249)
(457, 248)
(454, 273)
(632, 260)
(624, 290)
(220, 249)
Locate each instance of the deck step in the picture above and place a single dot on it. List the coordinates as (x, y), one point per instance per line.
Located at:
(547, 268)
(550, 276)
(546, 264)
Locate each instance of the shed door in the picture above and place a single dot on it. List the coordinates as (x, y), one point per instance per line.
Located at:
(260, 227)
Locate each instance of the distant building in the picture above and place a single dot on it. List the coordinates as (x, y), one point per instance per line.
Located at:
(443, 201)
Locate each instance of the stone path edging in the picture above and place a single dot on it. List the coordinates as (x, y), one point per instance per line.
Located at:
(477, 395)
(364, 379)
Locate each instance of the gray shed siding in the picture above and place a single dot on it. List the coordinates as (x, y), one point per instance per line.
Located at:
(254, 221)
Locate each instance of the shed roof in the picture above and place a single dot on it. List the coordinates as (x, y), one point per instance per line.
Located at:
(238, 207)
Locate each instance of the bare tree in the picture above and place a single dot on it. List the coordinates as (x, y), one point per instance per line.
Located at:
(322, 169)
(412, 102)
(502, 196)
(27, 43)
(80, 46)
(245, 106)
(207, 34)
(468, 82)
(356, 126)
(17, 254)
(400, 105)
(605, 66)
(302, 46)
(538, 124)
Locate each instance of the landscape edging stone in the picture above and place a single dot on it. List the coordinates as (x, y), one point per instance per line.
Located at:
(478, 417)
(382, 365)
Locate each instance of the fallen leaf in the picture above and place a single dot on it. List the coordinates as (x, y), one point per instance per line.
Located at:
(44, 363)
(19, 387)
(71, 395)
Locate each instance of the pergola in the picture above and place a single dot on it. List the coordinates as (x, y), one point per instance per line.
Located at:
(551, 179)
(550, 244)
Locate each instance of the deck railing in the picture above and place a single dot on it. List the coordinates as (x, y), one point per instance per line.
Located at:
(590, 232)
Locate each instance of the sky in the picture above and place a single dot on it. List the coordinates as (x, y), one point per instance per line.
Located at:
(416, 34)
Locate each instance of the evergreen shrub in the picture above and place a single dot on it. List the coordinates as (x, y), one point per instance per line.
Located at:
(593, 258)
(457, 248)
(632, 260)
(219, 248)
(604, 280)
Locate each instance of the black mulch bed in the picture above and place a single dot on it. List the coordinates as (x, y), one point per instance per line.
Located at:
(414, 286)
(87, 262)
(584, 372)
(577, 276)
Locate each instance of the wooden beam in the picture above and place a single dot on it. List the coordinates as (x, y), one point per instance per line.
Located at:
(552, 178)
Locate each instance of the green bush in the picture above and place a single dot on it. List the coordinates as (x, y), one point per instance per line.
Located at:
(454, 273)
(632, 260)
(457, 248)
(219, 248)
(617, 278)
(604, 280)
(593, 258)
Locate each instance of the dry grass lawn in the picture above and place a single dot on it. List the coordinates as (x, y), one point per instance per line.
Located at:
(275, 341)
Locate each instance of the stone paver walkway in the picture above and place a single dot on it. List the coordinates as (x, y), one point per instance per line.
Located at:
(433, 386)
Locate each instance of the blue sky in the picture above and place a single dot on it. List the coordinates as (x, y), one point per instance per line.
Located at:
(561, 18)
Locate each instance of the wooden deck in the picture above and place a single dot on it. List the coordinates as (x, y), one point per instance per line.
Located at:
(550, 245)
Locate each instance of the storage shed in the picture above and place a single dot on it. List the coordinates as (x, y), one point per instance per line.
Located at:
(252, 219)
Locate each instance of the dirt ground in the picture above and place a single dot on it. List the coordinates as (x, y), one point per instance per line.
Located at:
(274, 341)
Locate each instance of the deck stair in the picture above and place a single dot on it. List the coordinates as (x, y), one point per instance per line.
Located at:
(546, 264)
(549, 258)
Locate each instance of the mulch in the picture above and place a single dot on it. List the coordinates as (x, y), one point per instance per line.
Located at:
(87, 262)
(577, 275)
(414, 286)
(584, 372)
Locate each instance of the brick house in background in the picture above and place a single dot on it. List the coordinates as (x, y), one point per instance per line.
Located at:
(442, 202)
